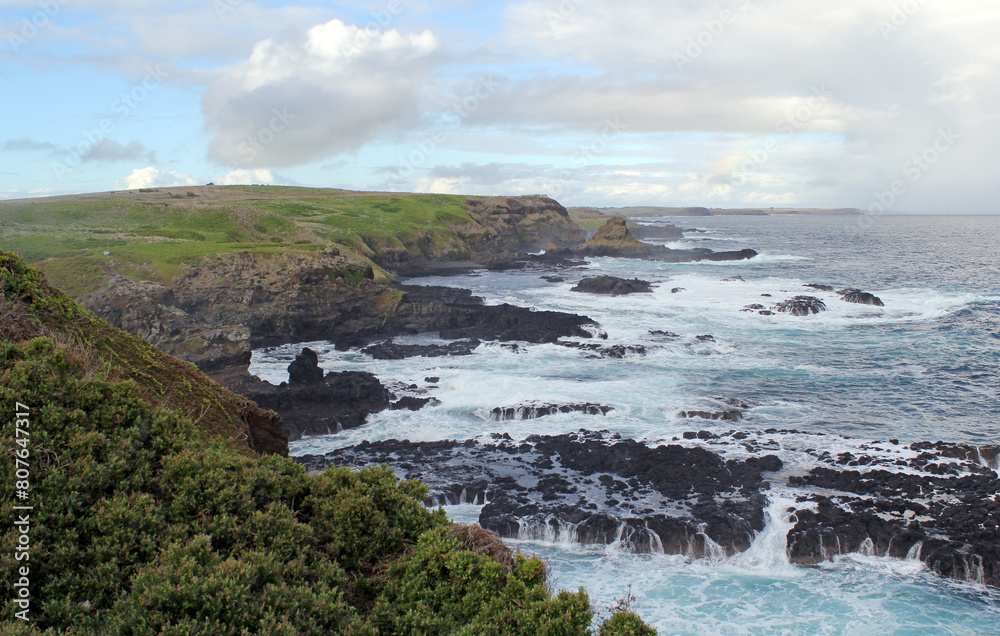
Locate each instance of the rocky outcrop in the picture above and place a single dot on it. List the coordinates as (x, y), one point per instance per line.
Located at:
(305, 368)
(704, 494)
(314, 404)
(615, 239)
(731, 415)
(612, 286)
(860, 297)
(951, 523)
(412, 403)
(801, 306)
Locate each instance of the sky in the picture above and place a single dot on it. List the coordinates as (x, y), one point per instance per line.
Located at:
(885, 105)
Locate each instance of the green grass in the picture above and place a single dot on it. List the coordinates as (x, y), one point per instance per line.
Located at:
(152, 238)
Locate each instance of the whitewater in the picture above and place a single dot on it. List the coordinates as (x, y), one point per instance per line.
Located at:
(923, 367)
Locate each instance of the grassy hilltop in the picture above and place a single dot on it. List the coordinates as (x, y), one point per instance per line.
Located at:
(151, 235)
(151, 514)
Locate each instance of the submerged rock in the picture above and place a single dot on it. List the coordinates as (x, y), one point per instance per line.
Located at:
(666, 335)
(732, 415)
(394, 351)
(533, 411)
(606, 351)
(411, 403)
(612, 285)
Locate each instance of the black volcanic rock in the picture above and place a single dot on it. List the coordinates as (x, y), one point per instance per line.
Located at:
(456, 314)
(335, 402)
(860, 297)
(801, 306)
(587, 486)
(612, 286)
(411, 403)
(937, 502)
(305, 368)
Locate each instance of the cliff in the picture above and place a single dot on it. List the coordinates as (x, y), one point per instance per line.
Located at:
(204, 273)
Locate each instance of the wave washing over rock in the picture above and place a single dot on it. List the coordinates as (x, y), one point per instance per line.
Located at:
(705, 494)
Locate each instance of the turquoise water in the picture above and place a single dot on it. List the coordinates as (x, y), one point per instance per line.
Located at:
(925, 366)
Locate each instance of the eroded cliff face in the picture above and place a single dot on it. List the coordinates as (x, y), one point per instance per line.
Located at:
(526, 224)
(218, 309)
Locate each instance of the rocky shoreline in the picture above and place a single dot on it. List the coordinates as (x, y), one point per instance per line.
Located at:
(213, 314)
(704, 495)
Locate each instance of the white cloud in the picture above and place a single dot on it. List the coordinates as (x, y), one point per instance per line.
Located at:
(151, 177)
(245, 176)
(313, 94)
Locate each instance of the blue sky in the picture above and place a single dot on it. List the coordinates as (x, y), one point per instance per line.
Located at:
(883, 105)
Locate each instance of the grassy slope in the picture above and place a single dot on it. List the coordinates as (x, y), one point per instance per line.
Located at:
(151, 235)
(145, 522)
(27, 301)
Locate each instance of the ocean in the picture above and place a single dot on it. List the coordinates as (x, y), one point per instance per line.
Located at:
(923, 367)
